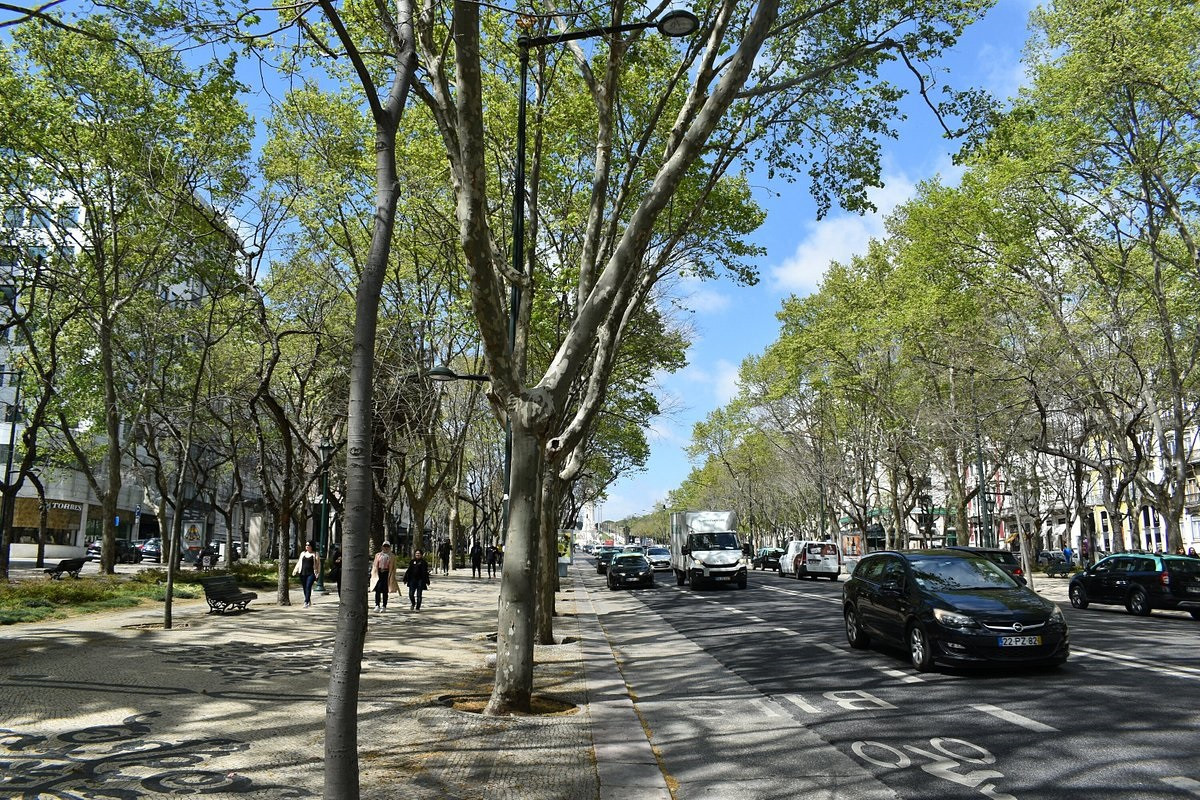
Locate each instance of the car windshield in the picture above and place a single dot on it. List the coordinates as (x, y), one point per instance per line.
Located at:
(951, 573)
(714, 541)
(629, 560)
(662, 551)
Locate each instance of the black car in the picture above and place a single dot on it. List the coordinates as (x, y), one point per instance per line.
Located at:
(603, 556)
(767, 558)
(629, 569)
(1141, 582)
(126, 552)
(951, 606)
(1005, 559)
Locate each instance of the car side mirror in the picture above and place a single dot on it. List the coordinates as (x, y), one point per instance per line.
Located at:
(1021, 580)
(687, 551)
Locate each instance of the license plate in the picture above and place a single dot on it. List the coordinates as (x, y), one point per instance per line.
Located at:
(722, 578)
(1194, 588)
(1020, 641)
(633, 579)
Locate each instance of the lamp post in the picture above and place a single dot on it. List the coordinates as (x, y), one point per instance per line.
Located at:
(6, 506)
(326, 454)
(674, 24)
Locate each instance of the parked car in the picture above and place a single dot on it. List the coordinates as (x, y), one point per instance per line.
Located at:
(126, 552)
(808, 559)
(1005, 559)
(952, 607)
(1047, 557)
(151, 549)
(767, 558)
(1141, 582)
(659, 558)
(629, 569)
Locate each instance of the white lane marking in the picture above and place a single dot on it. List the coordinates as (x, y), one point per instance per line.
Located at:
(837, 651)
(903, 677)
(787, 632)
(799, 703)
(733, 610)
(1190, 786)
(837, 601)
(1175, 670)
(1016, 719)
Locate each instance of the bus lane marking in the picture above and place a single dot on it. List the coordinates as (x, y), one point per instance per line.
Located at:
(945, 759)
(903, 677)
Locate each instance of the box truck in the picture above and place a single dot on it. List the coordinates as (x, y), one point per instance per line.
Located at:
(705, 548)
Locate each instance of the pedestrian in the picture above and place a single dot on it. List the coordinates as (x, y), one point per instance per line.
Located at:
(308, 567)
(416, 578)
(476, 560)
(384, 576)
(1192, 552)
(1179, 551)
(1067, 553)
(335, 568)
(444, 555)
(492, 557)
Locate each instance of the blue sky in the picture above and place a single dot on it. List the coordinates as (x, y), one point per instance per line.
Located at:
(734, 322)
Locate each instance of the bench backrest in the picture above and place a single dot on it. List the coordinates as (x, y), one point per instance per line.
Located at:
(71, 563)
(218, 584)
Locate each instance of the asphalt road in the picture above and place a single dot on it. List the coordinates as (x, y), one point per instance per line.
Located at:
(756, 693)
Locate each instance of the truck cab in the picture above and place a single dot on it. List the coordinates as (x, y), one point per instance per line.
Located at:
(705, 550)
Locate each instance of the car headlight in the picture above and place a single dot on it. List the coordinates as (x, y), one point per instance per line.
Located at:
(1057, 616)
(952, 619)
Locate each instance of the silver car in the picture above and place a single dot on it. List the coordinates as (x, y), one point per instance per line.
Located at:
(659, 558)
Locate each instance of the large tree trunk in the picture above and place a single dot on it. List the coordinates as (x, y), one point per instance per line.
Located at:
(514, 636)
(341, 704)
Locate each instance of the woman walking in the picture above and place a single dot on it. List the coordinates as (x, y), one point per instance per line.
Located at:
(308, 566)
(416, 578)
(384, 576)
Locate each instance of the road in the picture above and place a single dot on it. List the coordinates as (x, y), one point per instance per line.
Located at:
(756, 694)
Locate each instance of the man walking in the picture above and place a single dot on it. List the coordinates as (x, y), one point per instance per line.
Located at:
(416, 578)
(476, 560)
(444, 555)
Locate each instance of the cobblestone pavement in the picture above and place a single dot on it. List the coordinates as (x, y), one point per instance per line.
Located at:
(113, 706)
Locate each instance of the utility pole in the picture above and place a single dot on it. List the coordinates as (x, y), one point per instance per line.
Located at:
(985, 514)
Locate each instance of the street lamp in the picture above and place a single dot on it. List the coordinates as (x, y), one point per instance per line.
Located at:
(6, 505)
(326, 454)
(675, 24)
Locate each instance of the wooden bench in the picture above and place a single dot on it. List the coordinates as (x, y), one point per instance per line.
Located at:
(1059, 569)
(222, 594)
(70, 566)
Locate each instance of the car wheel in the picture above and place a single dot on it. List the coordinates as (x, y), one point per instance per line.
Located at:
(679, 578)
(1079, 597)
(920, 649)
(1138, 603)
(742, 583)
(855, 635)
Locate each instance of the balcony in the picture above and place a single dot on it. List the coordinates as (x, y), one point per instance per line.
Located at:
(1191, 498)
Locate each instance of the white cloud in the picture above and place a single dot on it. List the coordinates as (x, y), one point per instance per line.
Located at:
(725, 385)
(707, 300)
(721, 377)
(838, 238)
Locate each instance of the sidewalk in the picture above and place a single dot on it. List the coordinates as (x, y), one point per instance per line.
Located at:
(233, 706)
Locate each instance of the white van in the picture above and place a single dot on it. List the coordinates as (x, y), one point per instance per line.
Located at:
(809, 559)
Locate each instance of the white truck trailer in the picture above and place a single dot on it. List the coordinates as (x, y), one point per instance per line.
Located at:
(705, 548)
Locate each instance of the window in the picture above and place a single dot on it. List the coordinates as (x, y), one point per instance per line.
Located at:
(68, 216)
(14, 216)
